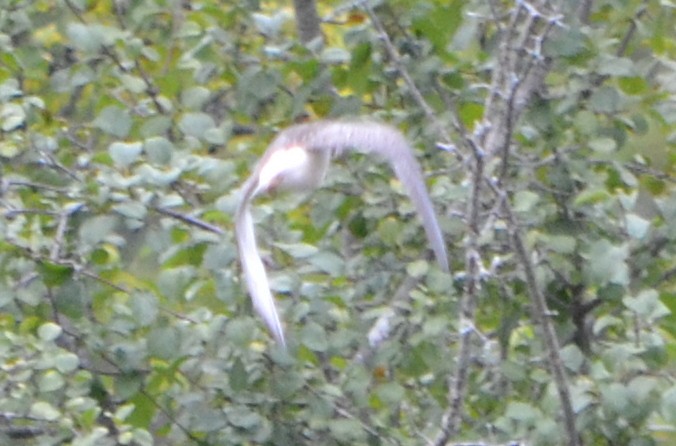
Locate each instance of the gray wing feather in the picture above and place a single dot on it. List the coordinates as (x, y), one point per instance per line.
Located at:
(253, 268)
(387, 142)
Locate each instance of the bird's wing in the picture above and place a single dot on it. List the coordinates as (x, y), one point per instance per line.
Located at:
(387, 142)
(254, 270)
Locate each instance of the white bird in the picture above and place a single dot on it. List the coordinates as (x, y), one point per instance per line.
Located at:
(297, 160)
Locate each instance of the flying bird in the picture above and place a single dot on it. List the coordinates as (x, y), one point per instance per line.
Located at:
(297, 161)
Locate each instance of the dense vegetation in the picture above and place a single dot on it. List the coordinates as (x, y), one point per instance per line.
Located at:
(547, 130)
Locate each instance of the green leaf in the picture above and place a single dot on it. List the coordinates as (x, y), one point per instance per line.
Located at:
(634, 85)
(240, 331)
(54, 274)
(647, 305)
(586, 122)
(195, 97)
(128, 384)
(132, 210)
(642, 389)
(566, 42)
(390, 393)
(123, 411)
(141, 437)
(572, 357)
(170, 201)
(173, 281)
(159, 149)
(96, 437)
(438, 22)
(604, 322)
(582, 396)
(42, 410)
(563, 244)
(436, 326)
(418, 268)
(164, 342)
(329, 263)
(615, 397)
(522, 412)
(157, 177)
(134, 84)
(590, 196)
(314, 337)
(238, 377)
(12, 117)
(49, 331)
(9, 90)
(333, 55)
(144, 308)
(156, 126)
(525, 201)
(607, 263)
(66, 362)
(144, 409)
(50, 381)
(471, 113)
(217, 136)
(84, 37)
(346, 430)
(124, 154)
(114, 121)
(298, 250)
(637, 227)
(259, 84)
(270, 26)
(668, 407)
(605, 100)
(196, 124)
(604, 146)
(616, 66)
(244, 418)
(10, 149)
(96, 229)
(389, 229)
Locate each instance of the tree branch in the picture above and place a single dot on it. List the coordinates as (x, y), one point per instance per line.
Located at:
(307, 20)
(519, 73)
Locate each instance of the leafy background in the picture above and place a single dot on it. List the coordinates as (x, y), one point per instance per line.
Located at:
(127, 128)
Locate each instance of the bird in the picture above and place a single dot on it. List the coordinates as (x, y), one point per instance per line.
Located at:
(297, 160)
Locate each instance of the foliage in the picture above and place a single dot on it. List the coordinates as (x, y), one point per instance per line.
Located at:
(127, 128)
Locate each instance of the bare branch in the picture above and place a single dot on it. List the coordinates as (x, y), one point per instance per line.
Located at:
(519, 73)
(415, 91)
(541, 314)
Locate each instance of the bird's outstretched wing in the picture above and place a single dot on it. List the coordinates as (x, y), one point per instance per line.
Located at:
(327, 137)
(387, 142)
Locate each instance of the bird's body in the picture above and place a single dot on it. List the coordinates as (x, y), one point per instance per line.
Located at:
(293, 169)
(297, 160)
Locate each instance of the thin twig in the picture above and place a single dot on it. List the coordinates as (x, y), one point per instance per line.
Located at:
(410, 83)
(541, 311)
(450, 422)
(190, 220)
(33, 185)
